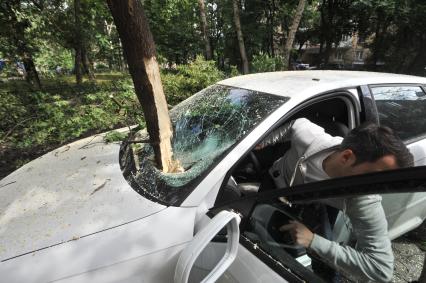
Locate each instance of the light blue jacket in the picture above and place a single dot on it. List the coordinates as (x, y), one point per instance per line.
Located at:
(372, 258)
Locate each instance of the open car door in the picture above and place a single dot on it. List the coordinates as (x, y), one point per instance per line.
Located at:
(266, 253)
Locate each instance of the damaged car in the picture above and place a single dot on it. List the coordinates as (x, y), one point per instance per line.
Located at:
(91, 211)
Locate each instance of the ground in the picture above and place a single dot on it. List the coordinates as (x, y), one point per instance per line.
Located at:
(408, 260)
(409, 251)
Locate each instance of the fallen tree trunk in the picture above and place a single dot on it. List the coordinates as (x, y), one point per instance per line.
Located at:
(139, 49)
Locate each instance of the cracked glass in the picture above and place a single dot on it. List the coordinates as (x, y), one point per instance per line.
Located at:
(205, 127)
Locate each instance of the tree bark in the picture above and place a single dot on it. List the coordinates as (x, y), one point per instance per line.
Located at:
(327, 28)
(139, 49)
(381, 26)
(87, 65)
(292, 32)
(19, 40)
(320, 58)
(77, 66)
(123, 60)
(240, 37)
(376, 42)
(415, 66)
(78, 45)
(205, 30)
(31, 73)
(272, 28)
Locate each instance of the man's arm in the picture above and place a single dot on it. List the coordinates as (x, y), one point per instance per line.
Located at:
(372, 258)
(278, 135)
(301, 132)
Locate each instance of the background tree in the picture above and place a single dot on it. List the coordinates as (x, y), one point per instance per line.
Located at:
(18, 30)
(336, 21)
(373, 18)
(403, 42)
(175, 27)
(205, 30)
(78, 44)
(292, 32)
(309, 27)
(240, 37)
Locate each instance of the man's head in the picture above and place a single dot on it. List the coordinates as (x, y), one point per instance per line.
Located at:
(371, 148)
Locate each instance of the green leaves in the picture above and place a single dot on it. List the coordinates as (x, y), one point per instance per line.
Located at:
(115, 136)
(175, 27)
(189, 79)
(265, 63)
(63, 116)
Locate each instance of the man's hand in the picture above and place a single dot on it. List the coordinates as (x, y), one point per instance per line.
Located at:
(300, 234)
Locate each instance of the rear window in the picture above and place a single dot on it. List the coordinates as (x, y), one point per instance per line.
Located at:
(403, 109)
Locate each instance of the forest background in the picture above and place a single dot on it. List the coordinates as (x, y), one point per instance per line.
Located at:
(63, 75)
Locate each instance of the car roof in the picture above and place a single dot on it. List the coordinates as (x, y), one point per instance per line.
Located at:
(290, 83)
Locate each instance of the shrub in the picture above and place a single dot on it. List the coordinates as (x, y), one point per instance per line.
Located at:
(51, 56)
(115, 136)
(264, 63)
(189, 79)
(234, 71)
(45, 119)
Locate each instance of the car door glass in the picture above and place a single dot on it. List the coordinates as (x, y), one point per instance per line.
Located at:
(357, 227)
(402, 108)
(263, 231)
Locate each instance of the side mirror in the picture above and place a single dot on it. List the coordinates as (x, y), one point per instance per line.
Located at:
(187, 258)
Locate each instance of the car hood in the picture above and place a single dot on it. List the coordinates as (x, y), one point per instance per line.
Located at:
(71, 192)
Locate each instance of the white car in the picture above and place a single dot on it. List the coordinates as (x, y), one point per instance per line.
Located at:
(97, 212)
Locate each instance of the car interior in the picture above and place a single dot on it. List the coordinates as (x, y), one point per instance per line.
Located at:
(265, 219)
(245, 178)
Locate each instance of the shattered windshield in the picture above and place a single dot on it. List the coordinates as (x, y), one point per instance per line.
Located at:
(205, 127)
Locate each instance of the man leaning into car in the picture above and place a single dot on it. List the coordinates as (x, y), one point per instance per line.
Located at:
(315, 155)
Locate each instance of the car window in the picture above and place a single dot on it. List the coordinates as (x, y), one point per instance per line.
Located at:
(263, 231)
(316, 204)
(402, 108)
(205, 126)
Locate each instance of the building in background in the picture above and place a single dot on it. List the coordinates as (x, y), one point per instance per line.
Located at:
(350, 53)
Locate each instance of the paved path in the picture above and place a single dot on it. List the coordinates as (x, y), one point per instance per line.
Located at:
(408, 260)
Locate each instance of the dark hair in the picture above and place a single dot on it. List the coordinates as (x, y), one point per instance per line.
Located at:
(370, 142)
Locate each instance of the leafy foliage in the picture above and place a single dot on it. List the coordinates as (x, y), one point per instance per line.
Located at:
(265, 63)
(41, 118)
(175, 27)
(186, 80)
(51, 56)
(33, 123)
(115, 136)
